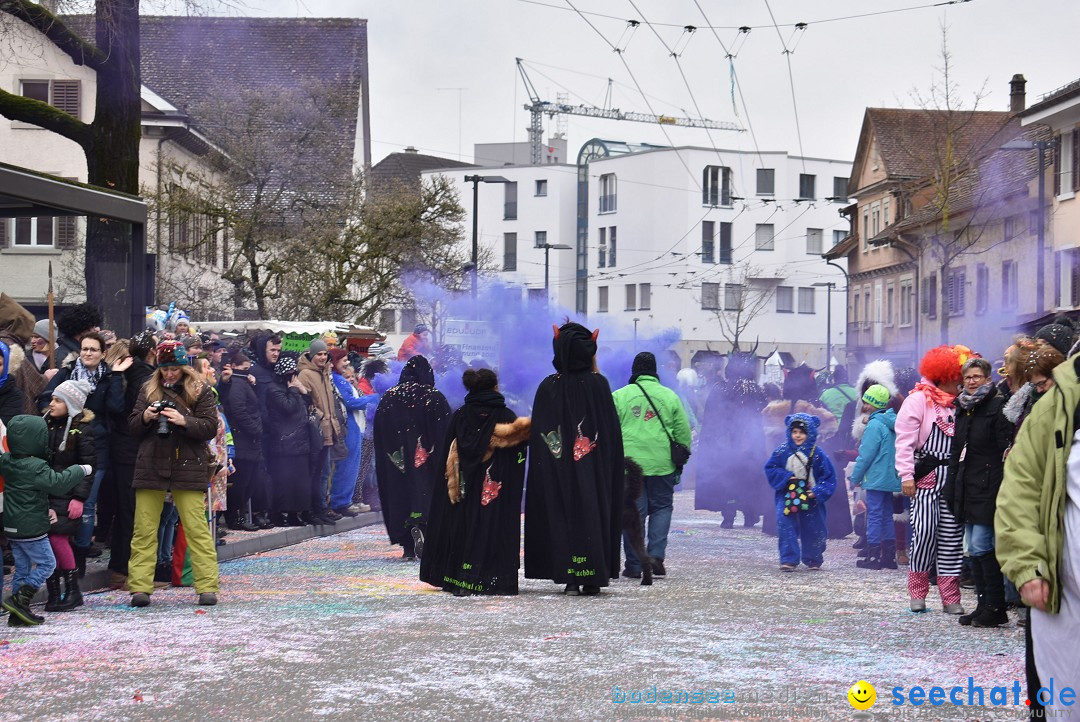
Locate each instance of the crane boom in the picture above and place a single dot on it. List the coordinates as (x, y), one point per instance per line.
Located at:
(538, 108)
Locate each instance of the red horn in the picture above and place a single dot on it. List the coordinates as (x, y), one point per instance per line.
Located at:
(555, 329)
(595, 334)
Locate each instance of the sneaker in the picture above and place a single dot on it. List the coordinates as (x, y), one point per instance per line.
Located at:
(346, 512)
(658, 568)
(917, 605)
(787, 567)
(814, 567)
(207, 599)
(360, 508)
(632, 573)
(418, 541)
(140, 599)
(953, 609)
(330, 514)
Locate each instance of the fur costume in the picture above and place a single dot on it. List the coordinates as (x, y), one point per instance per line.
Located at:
(505, 436)
(631, 518)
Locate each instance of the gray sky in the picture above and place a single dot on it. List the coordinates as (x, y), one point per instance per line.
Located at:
(839, 67)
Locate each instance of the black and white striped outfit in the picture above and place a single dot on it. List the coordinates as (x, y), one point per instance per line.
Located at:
(937, 538)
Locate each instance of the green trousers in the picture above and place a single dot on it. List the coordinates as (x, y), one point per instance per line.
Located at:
(192, 508)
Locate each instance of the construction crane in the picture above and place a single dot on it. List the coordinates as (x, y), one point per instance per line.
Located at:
(538, 108)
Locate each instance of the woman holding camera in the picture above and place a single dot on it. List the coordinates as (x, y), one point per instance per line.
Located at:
(175, 416)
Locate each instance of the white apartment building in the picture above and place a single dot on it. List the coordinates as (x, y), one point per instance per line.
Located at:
(714, 243)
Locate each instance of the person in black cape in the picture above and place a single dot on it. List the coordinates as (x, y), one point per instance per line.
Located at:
(410, 437)
(573, 498)
(474, 530)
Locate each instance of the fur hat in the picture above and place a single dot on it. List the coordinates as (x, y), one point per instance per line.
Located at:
(78, 319)
(171, 353)
(877, 372)
(73, 394)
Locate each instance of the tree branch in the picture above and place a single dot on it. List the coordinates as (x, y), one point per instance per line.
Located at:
(43, 115)
(36, 16)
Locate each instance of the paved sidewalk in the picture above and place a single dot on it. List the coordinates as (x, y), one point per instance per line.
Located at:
(339, 628)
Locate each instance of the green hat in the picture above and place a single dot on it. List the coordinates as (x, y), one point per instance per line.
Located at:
(877, 396)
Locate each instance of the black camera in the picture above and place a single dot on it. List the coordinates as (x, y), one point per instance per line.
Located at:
(164, 428)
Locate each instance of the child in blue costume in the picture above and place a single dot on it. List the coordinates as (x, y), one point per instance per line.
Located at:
(803, 478)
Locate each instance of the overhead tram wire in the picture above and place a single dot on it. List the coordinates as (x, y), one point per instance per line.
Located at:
(791, 81)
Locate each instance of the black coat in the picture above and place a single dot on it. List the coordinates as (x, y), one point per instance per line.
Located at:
(80, 449)
(981, 438)
(11, 400)
(288, 429)
(245, 417)
(122, 445)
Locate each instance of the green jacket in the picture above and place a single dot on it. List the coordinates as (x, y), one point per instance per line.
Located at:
(644, 439)
(28, 479)
(1031, 503)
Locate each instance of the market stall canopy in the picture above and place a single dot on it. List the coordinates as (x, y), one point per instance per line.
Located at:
(289, 327)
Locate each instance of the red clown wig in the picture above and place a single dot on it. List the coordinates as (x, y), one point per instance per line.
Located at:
(941, 365)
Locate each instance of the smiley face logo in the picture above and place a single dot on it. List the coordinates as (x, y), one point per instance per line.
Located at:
(862, 695)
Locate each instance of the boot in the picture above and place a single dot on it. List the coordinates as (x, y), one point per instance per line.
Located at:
(888, 555)
(80, 559)
(860, 543)
(873, 557)
(993, 613)
(262, 520)
(18, 605)
(967, 579)
(980, 594)
(52, 584)
(72, 593)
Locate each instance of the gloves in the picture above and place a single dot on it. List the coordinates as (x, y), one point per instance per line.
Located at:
(87, 470)
(75, 509)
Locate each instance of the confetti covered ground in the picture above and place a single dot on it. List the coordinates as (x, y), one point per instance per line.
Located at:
(340, 628)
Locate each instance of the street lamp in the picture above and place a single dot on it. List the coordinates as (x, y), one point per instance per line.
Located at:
(1040, 260)
(829, 285)
(548, 247)
(476, 180)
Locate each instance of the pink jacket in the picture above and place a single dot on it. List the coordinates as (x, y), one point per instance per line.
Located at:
(913, 425)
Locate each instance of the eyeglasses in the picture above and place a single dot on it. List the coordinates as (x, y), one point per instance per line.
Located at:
(1041, 385)
(974, 377)
(90, 349)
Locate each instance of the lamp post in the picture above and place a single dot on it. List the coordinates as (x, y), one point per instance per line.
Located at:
(476, 180)
(548, 247)
(1040, 258)
(828, 285)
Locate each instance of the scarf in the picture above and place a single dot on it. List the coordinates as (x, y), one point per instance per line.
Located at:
(934, 395)
(968, 401)
(79, 372)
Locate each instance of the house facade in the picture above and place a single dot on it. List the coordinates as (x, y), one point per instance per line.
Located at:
(724, 246)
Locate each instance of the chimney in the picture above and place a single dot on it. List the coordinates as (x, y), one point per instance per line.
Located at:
(1017, 96)
(410, 149)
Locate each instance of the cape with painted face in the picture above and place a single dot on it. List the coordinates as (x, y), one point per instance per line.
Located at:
(574, 494)
(409, 436)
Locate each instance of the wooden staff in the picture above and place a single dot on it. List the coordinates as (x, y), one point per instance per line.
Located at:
(52, 324)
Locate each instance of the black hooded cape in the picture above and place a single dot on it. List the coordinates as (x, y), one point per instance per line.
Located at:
(410, 440)
(475, 544)
(573, 499)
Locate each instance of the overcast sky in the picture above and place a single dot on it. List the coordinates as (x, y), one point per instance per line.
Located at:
(838, 66)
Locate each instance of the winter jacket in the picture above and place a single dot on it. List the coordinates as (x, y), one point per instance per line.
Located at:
(1030, 517)
(180, 460)
(242, 409)
(977, 461)
(875, 467)
(913, 425)
(780, 467)
(836, 398)
(288, 409)
(66, 352)
(123, 446)
(644, 439)
(413, 345)
(320, 386)
(80, 449)
(28, 480)
(106, 398)
(354, 405)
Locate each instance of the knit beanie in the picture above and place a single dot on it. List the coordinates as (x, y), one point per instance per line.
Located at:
(191, 341)
(1057, 335)
(171, 353)
(317, 346)
(41, 328)
(285, 366)
(877, 396)
(73, 394)
(336, 354)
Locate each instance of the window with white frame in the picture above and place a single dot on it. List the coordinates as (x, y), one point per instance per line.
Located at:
(734, 294)
(785, 299)
(710, 296)
(601, 248)
(509, 252)
(716, 186)
(1010, 285)
(763, 237)
(408, 320)
(890, 302)
(839, 189)
(864, 230)
(838, 236)
(644, 296)
(540, 239)
(766, 181)
(612, 246)
(602, 299)
(388, 320)
(806, 300)
(907, 300)
(982, 288)
(61, 94)
(708, 243)
(814, 241)
(509, 201)
(608, 193)
(807, 183)
(631, 297)
(725, 242)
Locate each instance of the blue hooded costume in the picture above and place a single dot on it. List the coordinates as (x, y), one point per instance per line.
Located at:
(800, 507)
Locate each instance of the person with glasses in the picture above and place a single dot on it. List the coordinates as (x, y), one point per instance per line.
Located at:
(976, 467)
(1029, 366)
(106, 397)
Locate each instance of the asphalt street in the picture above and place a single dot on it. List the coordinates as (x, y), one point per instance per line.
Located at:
(339, 627)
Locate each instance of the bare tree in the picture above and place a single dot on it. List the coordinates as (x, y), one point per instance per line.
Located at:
(744, 295)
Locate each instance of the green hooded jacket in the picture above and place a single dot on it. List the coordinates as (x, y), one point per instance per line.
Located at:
(28, 479)
(644, 439)
(1030, 513)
